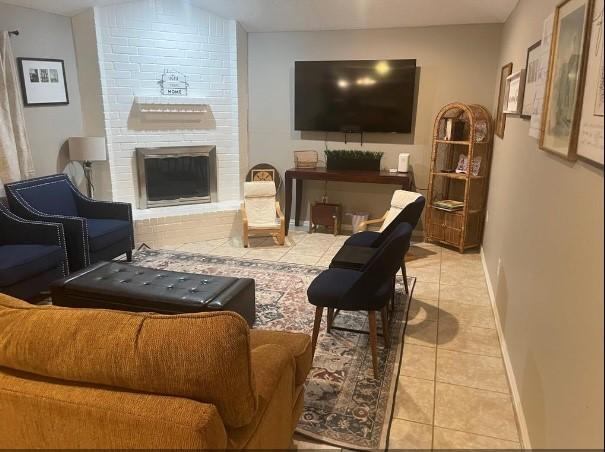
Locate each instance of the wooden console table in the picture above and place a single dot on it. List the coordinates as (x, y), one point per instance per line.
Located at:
(404, 180)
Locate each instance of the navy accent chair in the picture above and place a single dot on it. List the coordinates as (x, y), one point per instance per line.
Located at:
(409, 214)
(32, 255)
(94, 230)
(368, 289)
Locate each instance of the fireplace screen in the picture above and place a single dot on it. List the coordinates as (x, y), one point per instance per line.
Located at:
(176, 175)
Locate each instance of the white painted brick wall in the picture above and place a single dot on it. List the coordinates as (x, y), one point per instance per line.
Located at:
(137, 42)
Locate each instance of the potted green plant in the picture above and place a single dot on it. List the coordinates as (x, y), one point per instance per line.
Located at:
(347, 159)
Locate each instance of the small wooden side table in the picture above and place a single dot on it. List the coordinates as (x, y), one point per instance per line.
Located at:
(327, 215)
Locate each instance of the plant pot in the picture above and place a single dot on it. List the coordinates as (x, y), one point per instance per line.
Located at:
(339, 163)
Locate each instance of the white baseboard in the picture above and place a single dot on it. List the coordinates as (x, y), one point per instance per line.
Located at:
(522, 424)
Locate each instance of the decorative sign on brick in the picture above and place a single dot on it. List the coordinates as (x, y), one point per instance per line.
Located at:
(173, 83)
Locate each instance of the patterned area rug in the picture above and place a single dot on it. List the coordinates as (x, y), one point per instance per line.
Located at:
(344, 404)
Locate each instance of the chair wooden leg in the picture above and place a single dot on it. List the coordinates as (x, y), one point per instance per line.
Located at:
(372, 322)
(330, 319)
(128, 256)
(319, 312)
(386, 330)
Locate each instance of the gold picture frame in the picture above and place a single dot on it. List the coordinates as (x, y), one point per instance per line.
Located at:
(566, 77)
(500, 122)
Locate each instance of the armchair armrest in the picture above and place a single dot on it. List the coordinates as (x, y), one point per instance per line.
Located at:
(279, 212)
(363, 226)
(91, 208)
(17, 231)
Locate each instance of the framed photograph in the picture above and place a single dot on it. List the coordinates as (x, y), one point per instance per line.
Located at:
(42, 81)
(565, 81)
(515, 85)
(500, 116)
(590, 139)
(532, 70)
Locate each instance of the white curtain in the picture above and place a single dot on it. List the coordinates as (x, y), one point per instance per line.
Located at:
(15, 153)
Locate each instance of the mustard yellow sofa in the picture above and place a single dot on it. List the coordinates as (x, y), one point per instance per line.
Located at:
(86, 378)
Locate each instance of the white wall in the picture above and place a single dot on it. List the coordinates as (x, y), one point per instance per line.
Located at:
(457, 63)
(137, 41)
(546, 228)
(45, 35)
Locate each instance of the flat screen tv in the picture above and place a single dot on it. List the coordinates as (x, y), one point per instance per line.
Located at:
(354, 96)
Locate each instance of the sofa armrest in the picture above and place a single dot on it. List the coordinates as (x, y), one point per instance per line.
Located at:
(271, 427)
(297, 344)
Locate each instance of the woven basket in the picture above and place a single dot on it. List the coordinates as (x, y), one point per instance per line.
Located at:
(305, 159)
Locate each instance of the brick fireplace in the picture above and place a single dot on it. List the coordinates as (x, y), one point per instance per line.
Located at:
(124, 50)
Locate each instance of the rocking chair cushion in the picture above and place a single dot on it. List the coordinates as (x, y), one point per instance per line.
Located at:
(401, 199)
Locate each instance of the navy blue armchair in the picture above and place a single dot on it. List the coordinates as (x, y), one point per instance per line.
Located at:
(32, 255)
(397, 214)
(94, 230)
(368, 289)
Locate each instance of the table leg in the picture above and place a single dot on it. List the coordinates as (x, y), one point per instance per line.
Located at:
(288, 196)
(299, 192)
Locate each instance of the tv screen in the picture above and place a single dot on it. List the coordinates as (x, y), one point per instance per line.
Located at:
(354, 96)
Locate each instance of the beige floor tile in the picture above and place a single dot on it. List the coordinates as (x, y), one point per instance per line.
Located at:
(298, 258)
(303, 443)
(462, 293)
(414, 401)
(451, 439)
(421, 310)
(469, 339)
(265, 254)
(467, 314)
(425, 274)
(418, 362)
(227, 250)
(475, 371)
(458, 274)
(410, 435)
(423, 333)
(309, 250)
(475, 411)
(425, 289)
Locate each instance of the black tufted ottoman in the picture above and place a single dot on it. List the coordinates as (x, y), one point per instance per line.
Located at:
(112, 285)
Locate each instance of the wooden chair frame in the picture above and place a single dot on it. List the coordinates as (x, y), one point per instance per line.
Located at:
(278, 231)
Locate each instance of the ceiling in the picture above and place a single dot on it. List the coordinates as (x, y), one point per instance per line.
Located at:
(313, 15)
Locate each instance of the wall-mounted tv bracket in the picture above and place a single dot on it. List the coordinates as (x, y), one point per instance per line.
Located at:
(360, 136)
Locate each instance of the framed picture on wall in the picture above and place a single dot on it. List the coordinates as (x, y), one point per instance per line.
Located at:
(532, 68)
(590, 138)
(565, 81)
(506, 70)
(43, 81)
(515, 85)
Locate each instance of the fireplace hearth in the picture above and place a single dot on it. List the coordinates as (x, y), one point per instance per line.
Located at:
(176, 175)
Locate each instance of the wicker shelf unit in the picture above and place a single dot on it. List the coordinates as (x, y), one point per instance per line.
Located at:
(462, 228)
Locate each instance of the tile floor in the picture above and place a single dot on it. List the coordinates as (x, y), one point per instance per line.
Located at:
(453, 391)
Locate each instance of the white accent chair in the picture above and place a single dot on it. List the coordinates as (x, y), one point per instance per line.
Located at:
(261, 213)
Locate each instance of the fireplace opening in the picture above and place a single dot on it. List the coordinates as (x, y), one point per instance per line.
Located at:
(176, 175)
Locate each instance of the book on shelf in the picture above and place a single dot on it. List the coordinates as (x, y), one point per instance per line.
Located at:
(449, 205)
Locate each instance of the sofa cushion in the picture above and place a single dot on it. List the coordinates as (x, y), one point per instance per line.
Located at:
(104, 233)
(54, 198)
(182, 355)
(21, 262)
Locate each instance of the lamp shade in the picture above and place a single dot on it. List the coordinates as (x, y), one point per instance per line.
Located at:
(87, 149)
